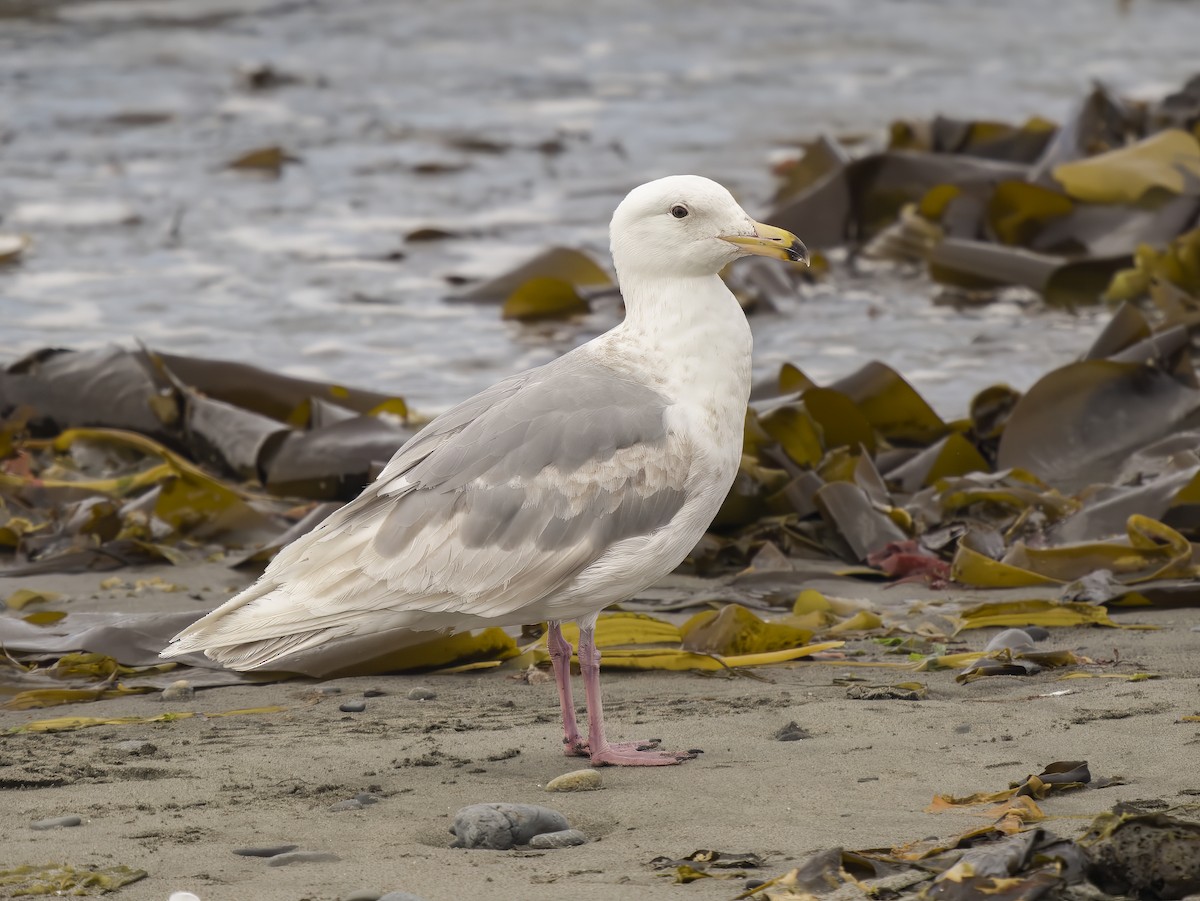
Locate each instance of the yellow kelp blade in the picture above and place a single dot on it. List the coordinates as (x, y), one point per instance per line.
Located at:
(437, 653)
(617, 629)
(970, 567)
(1153, 551)
(1036, 613)
(247, 711)
(862, 621)
(683, 661)
(71, 723)
(38, 698)
(23, 597)
(735, 630)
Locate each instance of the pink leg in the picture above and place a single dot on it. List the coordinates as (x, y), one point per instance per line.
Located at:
(602, 753)
(560, 656)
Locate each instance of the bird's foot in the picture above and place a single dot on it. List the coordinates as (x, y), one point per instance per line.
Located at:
(581, 748)
(577, 748)
(635, 753)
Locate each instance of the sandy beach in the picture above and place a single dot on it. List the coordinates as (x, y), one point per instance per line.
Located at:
(175, 798)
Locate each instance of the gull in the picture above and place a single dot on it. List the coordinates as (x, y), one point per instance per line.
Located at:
(550, 495)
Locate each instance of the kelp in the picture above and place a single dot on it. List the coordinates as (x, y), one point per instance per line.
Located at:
(60, 879)
(1058, 209)
(153, 454)
(1082, 494)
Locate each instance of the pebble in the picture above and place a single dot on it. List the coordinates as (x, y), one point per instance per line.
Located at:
(567, 838)
(184, 896)
(273, 851)
(793, 731)
(503, 826)
(374, 693)
(291, 857)
(328, 690)
(351, 804)
(365, 798)
(362, 894)
(576, 781)
(421, 694)
(57, 822)
(353, 707)
(178, 691)
(137, 747)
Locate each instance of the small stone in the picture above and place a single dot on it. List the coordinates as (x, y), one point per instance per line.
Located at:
(56, 823)
(351, 804)
(567, 838)
(374, 693)
(353, 707)
(178, 691)
(273, 851)
(962, 728)
(502, 826)
(365, 798)
(362, 894)
(586, 780)
(327, 690)
(421, 694)
(793, 731)
(292, 857)
(137, 747)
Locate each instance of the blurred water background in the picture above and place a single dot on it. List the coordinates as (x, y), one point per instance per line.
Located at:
(513, 125)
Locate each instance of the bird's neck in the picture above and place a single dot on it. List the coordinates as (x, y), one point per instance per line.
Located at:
(692, 331)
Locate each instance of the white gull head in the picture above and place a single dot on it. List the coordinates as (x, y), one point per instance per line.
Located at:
(687, 226)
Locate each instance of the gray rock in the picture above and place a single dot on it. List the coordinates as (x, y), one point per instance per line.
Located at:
(365, 798)
(362, 894)
(374, 693)
(503, 826)
(56, 822)
(178, 691)
(576, 781)
(568, 838)
(352, 804)
(421, 694)
(137, 747)
(273, 851)
(353, 707)
(291, 857)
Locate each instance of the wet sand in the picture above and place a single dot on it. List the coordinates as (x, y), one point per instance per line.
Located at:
(861, 780)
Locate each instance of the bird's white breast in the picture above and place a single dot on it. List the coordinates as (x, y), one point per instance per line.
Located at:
(697, 353)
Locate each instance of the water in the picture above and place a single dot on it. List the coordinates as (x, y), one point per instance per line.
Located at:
(117, 119)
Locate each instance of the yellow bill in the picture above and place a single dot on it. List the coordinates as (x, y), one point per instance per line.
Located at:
(769, 241)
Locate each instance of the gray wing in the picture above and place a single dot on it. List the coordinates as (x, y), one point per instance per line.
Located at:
(502, 500)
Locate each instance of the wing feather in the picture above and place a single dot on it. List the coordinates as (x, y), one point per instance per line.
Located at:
(491, 509)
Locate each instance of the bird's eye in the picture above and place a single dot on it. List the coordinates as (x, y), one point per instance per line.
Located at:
(679, 211)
